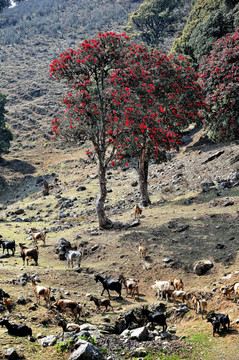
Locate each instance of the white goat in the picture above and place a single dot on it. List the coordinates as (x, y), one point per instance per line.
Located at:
(160, 287)
(236, 291)
(74, 256)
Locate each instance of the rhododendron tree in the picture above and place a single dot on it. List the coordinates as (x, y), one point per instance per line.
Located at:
(123, 96)
(219, 75)
(157, 95)
(88, 113)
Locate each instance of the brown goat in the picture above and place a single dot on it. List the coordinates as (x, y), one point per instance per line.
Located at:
(41, 291)
(38, 235)
(142, 251)
(101, 302)
(177, 284)
(130, 285)
(64, 305)
(201, 306)
(178, 295)
(137, 212)
(194, 300)
(9, 304)
(27, 254)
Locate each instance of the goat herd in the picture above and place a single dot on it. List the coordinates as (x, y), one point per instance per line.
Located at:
(173, 290)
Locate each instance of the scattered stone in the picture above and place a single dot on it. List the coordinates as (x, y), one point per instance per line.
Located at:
(94, 247)
(132, 223)
(81, 188)
(139, 352)
(202, 266)
(86, 351)
(214, 156)
(21, 300)
(49, 340)
(220, 246)
(228, 202)
(140, 334)
(207, 185)
(11, 354)
(181, 228)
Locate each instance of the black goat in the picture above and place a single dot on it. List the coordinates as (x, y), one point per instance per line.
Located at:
(109, 284)
(17, 330)
(3, 294)
(130, 318)
(215, 324)
(8, 245)
(155, 317)
(223, 320)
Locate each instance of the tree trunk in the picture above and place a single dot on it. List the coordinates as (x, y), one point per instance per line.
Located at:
(104, 222)
(143, 178)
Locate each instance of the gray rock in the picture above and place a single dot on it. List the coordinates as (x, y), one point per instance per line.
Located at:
(207, 185)
(233, 178)
(140, 334)
(11, 354)
(202, 266)
(86, 351)
(132, 223)
(139, 352)
(49, 340)
(81, 188)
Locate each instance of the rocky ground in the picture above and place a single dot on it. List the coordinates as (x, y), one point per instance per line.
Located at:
(193, 216)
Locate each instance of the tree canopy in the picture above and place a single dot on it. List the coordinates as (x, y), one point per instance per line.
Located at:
(155, 20)
(123, 94)
(208, 21)
(219, 76)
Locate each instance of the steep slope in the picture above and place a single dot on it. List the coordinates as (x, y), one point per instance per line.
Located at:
(32, 35)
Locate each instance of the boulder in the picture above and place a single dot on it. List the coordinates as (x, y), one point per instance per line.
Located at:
(202, 266)
(140, 334)
(62, 245)
(207, 185)
(11, 354)
(49, 340)
(86, 351)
